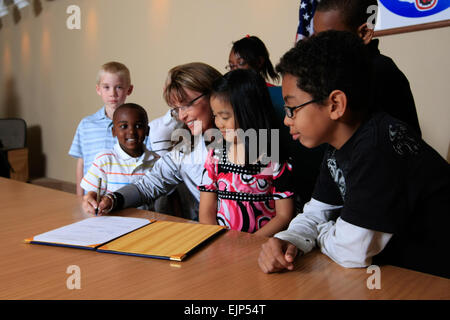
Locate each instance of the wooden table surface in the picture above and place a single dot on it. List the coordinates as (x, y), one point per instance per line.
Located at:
(225, 268)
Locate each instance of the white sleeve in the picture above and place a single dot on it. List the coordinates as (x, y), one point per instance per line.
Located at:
(302, 231)
(163, 177)
(160, 180)
(349, 245)
(346, 244)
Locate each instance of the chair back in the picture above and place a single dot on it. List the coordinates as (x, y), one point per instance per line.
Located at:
(13, 133)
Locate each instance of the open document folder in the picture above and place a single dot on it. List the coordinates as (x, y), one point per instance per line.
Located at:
(131, 236)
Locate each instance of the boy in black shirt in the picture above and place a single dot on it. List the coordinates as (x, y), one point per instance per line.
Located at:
(390, 90)
(382, 195)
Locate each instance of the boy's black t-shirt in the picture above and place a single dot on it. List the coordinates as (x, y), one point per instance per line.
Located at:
(391, 90)
(388, 179)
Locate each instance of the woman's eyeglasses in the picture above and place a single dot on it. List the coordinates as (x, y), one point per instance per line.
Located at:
(239, 65)
(175, 112)
(290, 110)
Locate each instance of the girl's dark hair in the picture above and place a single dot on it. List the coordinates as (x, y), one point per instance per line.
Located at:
(331, 60)
(247, 93)
(255, 53)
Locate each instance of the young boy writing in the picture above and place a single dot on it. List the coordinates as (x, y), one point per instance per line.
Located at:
(94, 132)
(390, 90)
(382, 192)
(128, 161)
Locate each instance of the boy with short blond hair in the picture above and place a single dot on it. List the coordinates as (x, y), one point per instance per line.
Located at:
(94, 132)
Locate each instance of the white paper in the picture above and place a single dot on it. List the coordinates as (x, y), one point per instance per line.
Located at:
(92, 231)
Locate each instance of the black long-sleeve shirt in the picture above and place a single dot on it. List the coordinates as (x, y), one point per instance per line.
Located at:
(391, 92)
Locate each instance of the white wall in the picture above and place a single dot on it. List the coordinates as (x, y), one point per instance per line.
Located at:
(48, 72)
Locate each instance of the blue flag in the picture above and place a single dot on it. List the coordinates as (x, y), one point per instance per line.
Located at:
(305, 19)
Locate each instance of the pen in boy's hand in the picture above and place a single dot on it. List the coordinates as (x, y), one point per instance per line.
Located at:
(99, 188)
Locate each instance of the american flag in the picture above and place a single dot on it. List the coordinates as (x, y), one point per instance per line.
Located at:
(305, 18)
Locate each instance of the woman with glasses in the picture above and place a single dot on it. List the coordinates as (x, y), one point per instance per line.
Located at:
(187, 92)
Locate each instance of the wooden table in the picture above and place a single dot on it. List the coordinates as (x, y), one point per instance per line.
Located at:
(225, 268)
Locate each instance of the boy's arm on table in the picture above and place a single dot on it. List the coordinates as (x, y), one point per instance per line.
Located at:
(346, 244)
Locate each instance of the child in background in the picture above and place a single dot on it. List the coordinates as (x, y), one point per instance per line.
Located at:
(382, 195)
(128, 161)
(242, 194)
(390, 90)
(251, 53)
(94, 132)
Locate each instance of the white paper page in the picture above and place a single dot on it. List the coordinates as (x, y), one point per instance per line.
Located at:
(92, 231)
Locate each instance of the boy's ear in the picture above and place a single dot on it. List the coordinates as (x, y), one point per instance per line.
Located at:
(113, 131)
(147, 132)
(365, 33)
(97, 88)
(338, 101)
(130, 89)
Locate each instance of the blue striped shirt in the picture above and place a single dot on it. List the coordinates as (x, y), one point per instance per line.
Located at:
(92, 136)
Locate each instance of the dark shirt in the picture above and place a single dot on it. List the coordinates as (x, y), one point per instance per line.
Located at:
(390, 93)
(389, 180)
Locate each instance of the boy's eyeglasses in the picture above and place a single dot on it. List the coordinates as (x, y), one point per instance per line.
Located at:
(231, 67)
(290, 110)
(175, 112)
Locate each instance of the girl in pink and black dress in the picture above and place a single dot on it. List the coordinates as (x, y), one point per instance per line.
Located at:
(246, 183)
